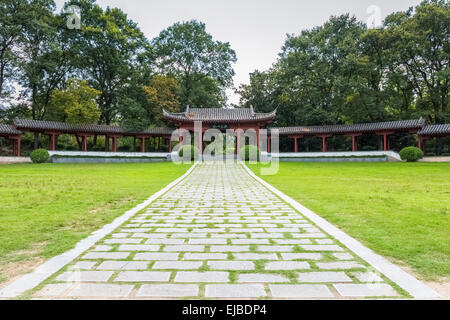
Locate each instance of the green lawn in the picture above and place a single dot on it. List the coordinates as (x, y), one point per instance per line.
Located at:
(46, 209)
(399, 210)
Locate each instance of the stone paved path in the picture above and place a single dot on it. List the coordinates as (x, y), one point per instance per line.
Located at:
(218, 234)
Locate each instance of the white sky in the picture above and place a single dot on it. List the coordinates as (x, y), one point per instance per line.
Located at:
(256, 29)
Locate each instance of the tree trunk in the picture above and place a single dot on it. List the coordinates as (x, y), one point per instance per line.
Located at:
(107, 144)
(78, 141)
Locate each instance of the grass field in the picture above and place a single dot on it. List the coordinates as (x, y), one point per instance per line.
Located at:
(399, 210)
(46, 209)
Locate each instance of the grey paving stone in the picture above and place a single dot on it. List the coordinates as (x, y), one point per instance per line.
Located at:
(101, 290)
(83, 265)
(165, 241)
(207, 241)
(275, 248)
(292, 241)
(54, 289)
(102, 248)
(156, 256)
(123, 265)
(343, 256)
(229, 248)
(184, 248)
(204, 256)
(323, 277)
(182, 265)
(122, 241)
(249, 241)
(228, 236)
(300, 291)
(194, 276)
(168, 290)
(142, 276)
(235, 291)
(267, 235)
(261, 277)
(321, 247)
(106, 255)
(138, 247)
(231, 265)
(85, 276)
(367, 276)
(255, 256)
(286, 265)
(339, 265)
(149, 235)
(365, 290)
(301, 256)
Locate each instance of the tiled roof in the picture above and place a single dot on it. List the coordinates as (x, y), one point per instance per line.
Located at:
(219, 115)
(402, 125)
(436, 130)
(38, 125)
(6, 129)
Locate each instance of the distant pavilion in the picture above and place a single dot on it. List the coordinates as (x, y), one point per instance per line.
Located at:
(223, 119)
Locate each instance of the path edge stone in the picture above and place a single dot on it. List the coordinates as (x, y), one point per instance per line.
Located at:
(406, 281)
(50, 267)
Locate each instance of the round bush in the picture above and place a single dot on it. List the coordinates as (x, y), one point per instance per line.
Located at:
(185, 149)
(39, 156)
(248, 151)
(411, 154)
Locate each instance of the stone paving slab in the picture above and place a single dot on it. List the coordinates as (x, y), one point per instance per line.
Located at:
(218, 233)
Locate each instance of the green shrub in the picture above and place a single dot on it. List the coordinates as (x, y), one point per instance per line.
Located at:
(39, 156)
(193, 150)
(445, 154)
(248, 150)
(411, 154)
(431, 154)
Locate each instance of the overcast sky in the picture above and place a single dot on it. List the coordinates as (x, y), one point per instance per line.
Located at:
(256, 29)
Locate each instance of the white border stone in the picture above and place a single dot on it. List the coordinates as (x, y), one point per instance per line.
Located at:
(109, 154)
(31, 280)
(407, 282)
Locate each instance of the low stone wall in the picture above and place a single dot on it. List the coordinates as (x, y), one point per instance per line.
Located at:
(105, 160)
(107, 157)
(361, 156)
(11, 160)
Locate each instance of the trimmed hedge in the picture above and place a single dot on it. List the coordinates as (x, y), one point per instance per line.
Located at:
(248, 151)
(39, 156)
(193, 151)
(411, 154)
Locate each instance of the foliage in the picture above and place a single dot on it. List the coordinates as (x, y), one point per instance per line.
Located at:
(411, 154)
(188, 150)
(343, 72)
(74, 104)
(187, 51)
(162, 94)
(39, 156)
(248, 153)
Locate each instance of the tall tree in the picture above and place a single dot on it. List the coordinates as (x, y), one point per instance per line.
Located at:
(112, 50)
(201, 64)
(75, 104)
(162, 93)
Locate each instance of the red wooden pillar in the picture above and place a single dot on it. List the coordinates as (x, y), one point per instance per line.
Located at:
(257, 137)
(16, 146)
(170, 145)
(268, 144)
(238, 141)
(354, 146)
(295, 144)
(52, 144)
(83, 143)
(324, 144)
(385, 142)
(114, 144)
(142, 144)
(200, 142)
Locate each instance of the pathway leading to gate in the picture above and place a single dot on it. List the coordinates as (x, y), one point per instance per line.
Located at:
(218, 233)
